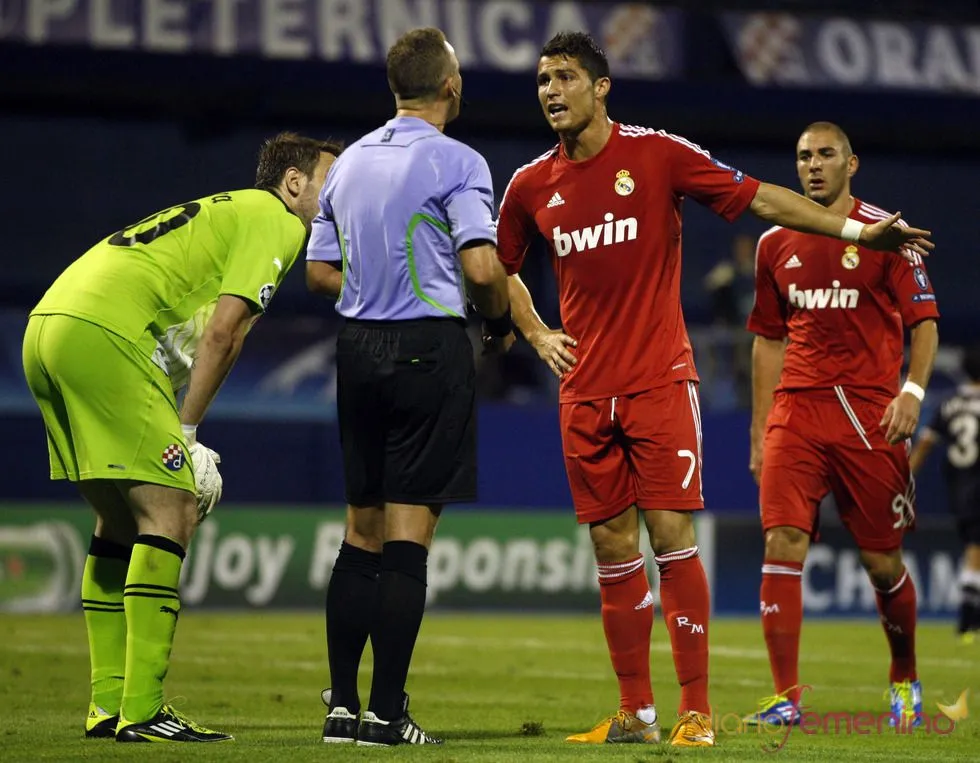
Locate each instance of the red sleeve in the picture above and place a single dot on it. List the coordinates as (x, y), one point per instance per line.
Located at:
(910, 286)
(723, 189)
(515, 229)
(768, 316)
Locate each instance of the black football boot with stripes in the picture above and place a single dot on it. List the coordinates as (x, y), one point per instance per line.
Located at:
(374, 732)
(167, 726)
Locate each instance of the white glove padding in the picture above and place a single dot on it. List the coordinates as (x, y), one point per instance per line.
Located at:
(207, 479)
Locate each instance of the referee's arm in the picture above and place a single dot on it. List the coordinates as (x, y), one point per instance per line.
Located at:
(486, 277)
(324, 278)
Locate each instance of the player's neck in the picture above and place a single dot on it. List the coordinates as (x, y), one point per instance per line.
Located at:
(589, 142)
(843, 204)
(433, 113)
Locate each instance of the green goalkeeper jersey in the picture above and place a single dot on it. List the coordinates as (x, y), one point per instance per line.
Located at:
(157, 281)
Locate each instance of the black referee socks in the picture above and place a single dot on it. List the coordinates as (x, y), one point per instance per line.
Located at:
(350, 607)
(401, 604)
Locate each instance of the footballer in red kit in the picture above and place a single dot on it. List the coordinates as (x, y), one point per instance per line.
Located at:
(608, 201)
(604, 218)
(829, 415)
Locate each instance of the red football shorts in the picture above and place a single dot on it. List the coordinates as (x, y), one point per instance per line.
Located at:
(829, 441)
(643, 448)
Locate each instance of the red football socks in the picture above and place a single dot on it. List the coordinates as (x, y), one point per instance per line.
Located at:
(627, 618)
(897, 609)
(781, 608)
(686, 602)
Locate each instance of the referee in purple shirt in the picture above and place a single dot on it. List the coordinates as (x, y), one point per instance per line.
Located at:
(405, 233)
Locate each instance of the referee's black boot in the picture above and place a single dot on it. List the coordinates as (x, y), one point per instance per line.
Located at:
(374, 732)
(340, 725)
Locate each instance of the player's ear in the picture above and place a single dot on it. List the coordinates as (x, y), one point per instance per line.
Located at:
(852, 165)
(293, 180)
(601, 87)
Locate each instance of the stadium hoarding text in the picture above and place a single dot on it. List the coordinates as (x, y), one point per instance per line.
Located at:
(784, 50)
(498, 35)
(529, 560)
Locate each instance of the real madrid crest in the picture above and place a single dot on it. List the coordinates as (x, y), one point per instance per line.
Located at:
(624, 184)
(851, 258)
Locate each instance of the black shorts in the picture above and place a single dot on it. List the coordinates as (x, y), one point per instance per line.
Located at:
(964, 496)
(406, 393)
(969, 530)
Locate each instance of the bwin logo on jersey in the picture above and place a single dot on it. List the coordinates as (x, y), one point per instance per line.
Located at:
(821, 299)
(613, 231)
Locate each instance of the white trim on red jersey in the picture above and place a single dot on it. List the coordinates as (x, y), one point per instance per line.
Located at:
(758, 245)
(635, 131)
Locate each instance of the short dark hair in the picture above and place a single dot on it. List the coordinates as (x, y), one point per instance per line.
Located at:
(286, 150)
(418, 63)
(582, 48)
(836, 129)
(971, 362)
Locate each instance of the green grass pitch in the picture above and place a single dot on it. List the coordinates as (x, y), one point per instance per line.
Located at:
(497, 687)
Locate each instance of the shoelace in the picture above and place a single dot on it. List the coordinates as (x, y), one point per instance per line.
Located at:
(425, 736)
(767, 702)
(170, 709)
(691, 716)
(903, 693)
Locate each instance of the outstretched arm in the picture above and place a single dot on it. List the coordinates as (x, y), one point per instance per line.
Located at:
(784, 207)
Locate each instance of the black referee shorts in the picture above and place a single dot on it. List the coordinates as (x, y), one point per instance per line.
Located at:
(406, 393)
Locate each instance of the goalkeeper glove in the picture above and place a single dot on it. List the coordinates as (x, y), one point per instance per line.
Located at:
(207, 478)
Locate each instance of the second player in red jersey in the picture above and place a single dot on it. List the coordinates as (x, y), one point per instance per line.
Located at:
(608, 202)
(843, 308)
(829, 417)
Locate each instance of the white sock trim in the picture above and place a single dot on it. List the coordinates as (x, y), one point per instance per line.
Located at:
(676, 556)
(608, 572)
(899, 584)
(778, 569)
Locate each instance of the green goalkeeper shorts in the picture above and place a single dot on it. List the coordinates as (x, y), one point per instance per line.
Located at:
(108, 409)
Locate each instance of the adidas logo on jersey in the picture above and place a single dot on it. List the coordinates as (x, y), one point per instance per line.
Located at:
(556, 200)
(821, 299)
(613, 231)
(793, 262)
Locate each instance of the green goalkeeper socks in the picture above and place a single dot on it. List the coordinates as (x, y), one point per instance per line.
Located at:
(105, 620)
(152, 606)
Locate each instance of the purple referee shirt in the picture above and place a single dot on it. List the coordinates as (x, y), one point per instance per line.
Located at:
(396, 208)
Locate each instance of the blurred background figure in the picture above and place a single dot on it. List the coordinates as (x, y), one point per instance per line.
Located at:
(730, 283)
(956, 426)
(730, 286)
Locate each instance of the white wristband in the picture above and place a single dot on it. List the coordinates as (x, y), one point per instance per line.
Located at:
(914, 390)
(190, 433)
(851, 230)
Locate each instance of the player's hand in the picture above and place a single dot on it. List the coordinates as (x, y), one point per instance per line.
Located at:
(552, 347)
(888, 236)
(901, 418)
(755, 461)
(498, 345)
(207, 479)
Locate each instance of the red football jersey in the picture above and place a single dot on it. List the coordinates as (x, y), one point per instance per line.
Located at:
(842, 306)
(613, 227)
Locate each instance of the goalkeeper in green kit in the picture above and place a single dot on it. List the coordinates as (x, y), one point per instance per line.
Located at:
(162, 304)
